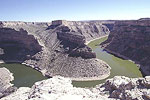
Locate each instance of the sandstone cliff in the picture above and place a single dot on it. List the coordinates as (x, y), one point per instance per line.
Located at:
(131, 40)
(56, 48)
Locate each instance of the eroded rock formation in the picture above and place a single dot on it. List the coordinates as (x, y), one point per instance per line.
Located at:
(5, 86)
(56, 88)
(56, 48)
(17, 46)
(59, 88)
(131, 40)
(124, 88)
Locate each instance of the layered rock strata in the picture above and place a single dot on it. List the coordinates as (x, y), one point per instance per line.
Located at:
(56, 48)
(17, 46)
(130, 40)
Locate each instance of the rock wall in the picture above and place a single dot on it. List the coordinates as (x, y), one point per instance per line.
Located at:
(72, 37)
(89, 29)
(59, 22)
(17, 46)
(42, 47)
(77, 42)
(109, 25)
(131, 40)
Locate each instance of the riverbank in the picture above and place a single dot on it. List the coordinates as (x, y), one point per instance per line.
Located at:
(127, 58)
(104, 76)
(87, 42)
(43, 72)
(82, 78)
(91, 78)
(24, 76)
(119, 66)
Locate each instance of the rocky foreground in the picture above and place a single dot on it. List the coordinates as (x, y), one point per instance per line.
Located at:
(5, 86)
(55, 48)
(59, 88)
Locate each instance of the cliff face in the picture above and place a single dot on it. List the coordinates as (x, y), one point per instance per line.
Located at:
(56, 48)
(131, 39)
(17, 45)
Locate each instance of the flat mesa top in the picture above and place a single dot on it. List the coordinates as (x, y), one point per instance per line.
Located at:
(59, 22)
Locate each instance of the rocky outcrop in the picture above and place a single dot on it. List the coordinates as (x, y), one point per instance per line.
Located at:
(73, 37)
(57, 23)
(89, 29)
(124, 88)
(84, 52)
(144, 19)
(1, 24)
(5, 86)
(17, 46)
(76, 47)
(55, 48)
(1, 51)
(56, 88)
(130, 40)
(109, 25)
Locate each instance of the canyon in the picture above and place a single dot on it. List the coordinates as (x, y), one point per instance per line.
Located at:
(55, 48)
(131, 40)
(59, 51)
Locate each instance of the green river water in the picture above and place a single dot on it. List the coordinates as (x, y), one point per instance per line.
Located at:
(119, 67)
(26, 76)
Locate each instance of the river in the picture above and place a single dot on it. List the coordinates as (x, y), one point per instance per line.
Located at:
(26, 76)
(119, 67)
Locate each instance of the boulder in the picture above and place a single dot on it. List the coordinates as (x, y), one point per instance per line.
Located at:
(124, 88)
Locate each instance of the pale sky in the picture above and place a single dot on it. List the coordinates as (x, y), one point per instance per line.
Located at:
(48, 10)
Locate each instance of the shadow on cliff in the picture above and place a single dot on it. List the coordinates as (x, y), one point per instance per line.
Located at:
(17, 46)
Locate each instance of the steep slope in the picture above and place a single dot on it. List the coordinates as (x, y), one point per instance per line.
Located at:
(56, 48)
(131, 40)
